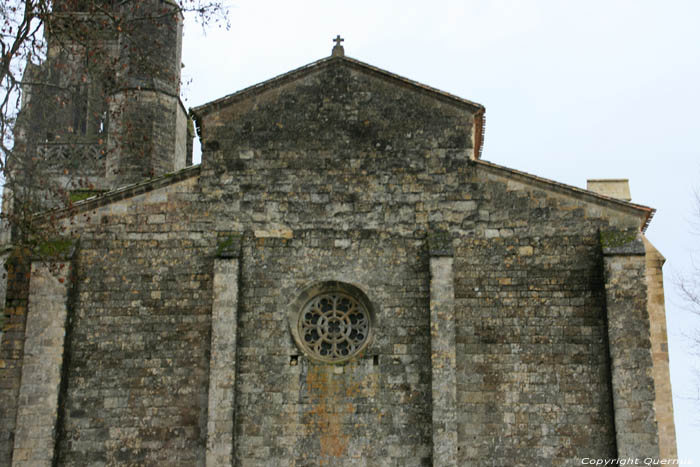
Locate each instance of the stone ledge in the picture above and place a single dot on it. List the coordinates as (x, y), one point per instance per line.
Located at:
(621, 243)
(229, 246)
(440, 243)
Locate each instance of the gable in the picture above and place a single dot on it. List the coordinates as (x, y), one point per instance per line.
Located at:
(337, 104)
(343, 132)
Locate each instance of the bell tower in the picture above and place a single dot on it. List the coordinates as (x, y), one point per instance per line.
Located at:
(103, 109)
(148, 123)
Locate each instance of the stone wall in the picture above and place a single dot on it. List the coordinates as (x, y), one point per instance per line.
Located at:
(139, 349)
(136, 390)
(292, 410)
(663, 404)
(12, 349)
(533, 384)
(42, 366)
(631, 364)
(531, 344)
(488, 287)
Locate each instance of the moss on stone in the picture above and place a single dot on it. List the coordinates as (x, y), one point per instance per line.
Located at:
(55, 247)
(440, 242)
(79, 195)
(228, 245)
(616, 238)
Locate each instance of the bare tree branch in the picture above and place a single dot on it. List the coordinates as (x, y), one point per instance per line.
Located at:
(69, 55)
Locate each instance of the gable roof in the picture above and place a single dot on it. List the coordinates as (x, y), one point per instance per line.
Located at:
(120, 193)
(152, 184)
(589, 196)
(201, 111)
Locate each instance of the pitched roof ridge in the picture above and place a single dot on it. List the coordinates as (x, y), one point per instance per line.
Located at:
(580, 191)
(123, 192)
(260, 85)
(414, 83)
(204, 108)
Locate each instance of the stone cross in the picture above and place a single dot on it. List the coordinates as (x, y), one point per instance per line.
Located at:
(338, 50)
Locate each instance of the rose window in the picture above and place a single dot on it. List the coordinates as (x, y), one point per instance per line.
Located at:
(333, 326)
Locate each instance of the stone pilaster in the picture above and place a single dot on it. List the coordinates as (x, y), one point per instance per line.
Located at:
(663, 405)
(37, 412)
(629, 344)
(3, 283)
(443, 351)
(222, 364)
(12, 349)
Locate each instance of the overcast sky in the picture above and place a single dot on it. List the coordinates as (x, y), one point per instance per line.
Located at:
(572, 90)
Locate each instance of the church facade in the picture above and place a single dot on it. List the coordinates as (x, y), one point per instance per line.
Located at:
(343, 280)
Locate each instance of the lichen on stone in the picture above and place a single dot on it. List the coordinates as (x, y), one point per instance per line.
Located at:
(616, 238)
(58, 247)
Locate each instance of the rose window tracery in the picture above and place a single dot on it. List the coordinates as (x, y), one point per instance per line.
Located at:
(334, 326)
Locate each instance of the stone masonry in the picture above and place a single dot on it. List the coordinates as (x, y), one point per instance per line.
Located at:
(37, 417)
(222, 383)
(659, 353)
(629, 343)
(510, 320)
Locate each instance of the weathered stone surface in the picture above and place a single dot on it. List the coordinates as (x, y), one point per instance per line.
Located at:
(292, 410)
(12, 348)
(531, 343)
(663, 405)
(222, 364)
(103, 109)
(443, 361)
(630, 349)
(139, 351)
(488, 287)
(37, 414)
